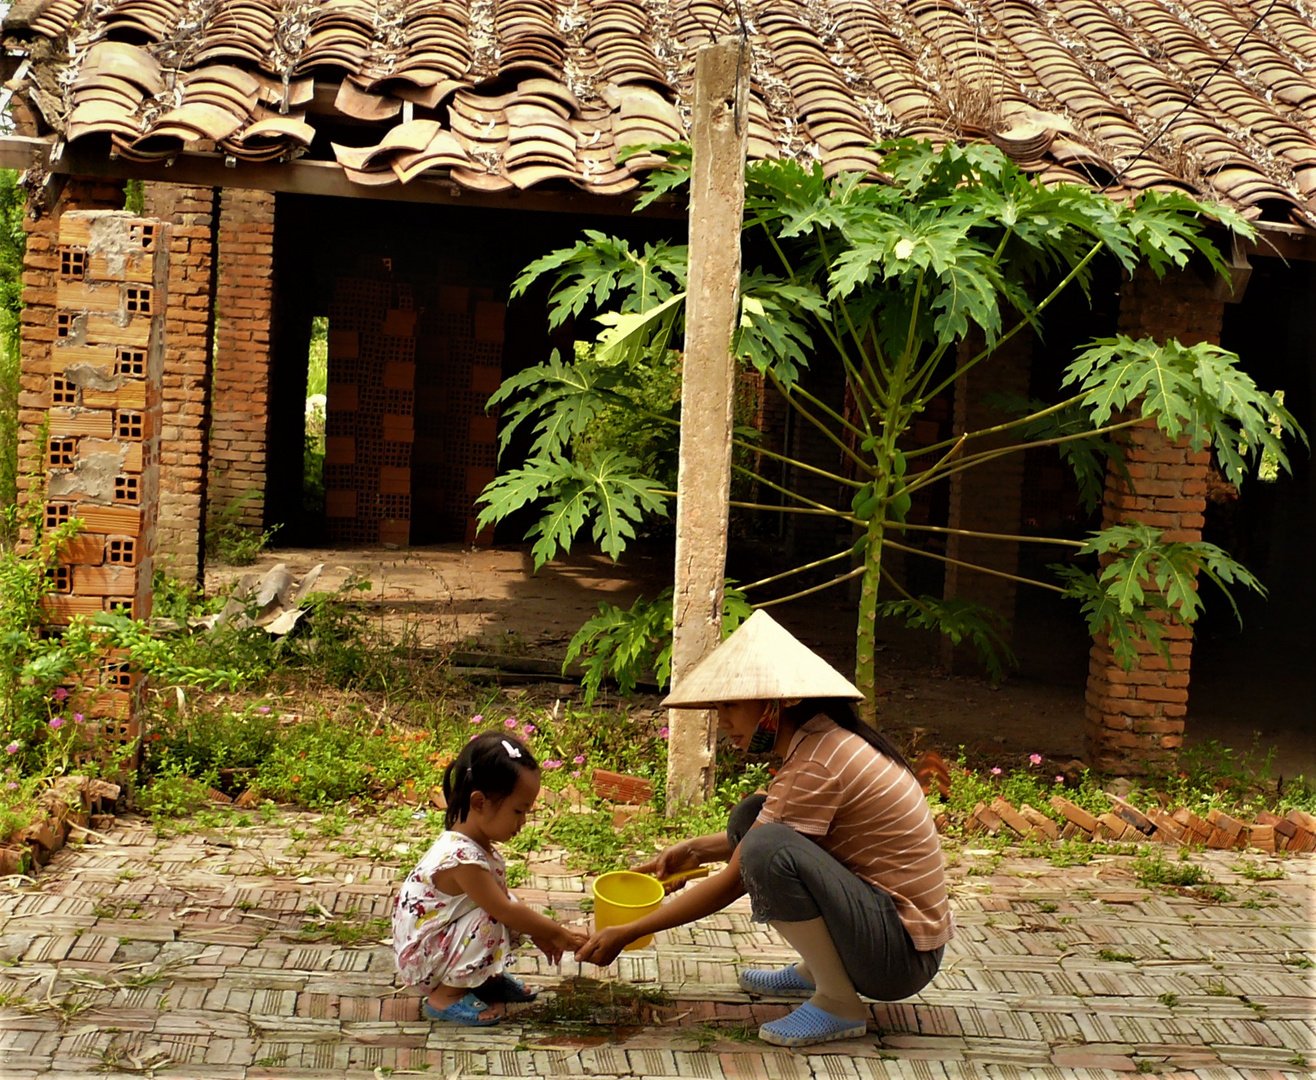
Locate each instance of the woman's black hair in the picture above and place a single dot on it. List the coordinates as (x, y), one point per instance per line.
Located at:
(491, 763)
(843, 714)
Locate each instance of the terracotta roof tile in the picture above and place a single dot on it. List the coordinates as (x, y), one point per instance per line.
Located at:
(516, 93)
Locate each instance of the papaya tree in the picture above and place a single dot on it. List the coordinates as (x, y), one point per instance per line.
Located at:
(891, 282)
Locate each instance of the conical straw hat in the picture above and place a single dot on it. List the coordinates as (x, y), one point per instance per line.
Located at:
(759, 662)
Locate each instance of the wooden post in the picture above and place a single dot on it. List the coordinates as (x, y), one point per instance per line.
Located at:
(717, 200)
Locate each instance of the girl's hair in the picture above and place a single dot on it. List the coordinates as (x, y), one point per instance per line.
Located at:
(842, 713)
(491, 763)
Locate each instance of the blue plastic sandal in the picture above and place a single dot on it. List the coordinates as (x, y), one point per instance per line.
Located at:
(465, 1012)
(505, 989)
(808, 1025)
(776, 982)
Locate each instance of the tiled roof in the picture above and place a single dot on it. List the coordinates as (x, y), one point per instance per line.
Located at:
(516, 93)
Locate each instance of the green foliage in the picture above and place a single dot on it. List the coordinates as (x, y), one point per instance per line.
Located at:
(959, 620)
(1154, 869)
(229, 540)
(607, 492)
(1145, 574)
(886, 282)
(13, 245)
(625, 644)
(1195, 391)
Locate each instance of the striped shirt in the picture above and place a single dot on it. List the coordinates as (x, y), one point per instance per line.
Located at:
(870, 815)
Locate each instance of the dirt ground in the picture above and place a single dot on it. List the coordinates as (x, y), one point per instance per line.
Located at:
(489, 600)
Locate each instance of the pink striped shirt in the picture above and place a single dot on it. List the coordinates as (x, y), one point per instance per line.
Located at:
(870, 815)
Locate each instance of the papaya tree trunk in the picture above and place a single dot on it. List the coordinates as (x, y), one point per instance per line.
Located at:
(866, 635)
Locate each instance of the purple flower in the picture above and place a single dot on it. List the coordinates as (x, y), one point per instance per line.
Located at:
(1035, 759)
(78, 718)
(60, 693)
(12, 748)
(478, 718)
(575, 772)
(664, 732)
(57, 723)
(996, 770)
(529, 729)
(510, 722)
(579, 759)
(12, 786)
(263, 709)
(552, 763)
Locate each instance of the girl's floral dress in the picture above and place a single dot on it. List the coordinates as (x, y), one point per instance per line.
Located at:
(448, 940)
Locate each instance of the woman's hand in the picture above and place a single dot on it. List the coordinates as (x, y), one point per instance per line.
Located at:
(676, 859)
(603, 946)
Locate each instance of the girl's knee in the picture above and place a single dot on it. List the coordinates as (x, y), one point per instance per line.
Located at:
(759, 849)
(742, 817)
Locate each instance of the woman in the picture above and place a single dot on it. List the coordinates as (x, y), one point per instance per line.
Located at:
(840, 856)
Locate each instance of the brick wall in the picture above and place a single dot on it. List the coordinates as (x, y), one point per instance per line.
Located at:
(987, 497)
(101, 376)
(240, 396)
(38, 322)
(188, 335)
(1135, 719)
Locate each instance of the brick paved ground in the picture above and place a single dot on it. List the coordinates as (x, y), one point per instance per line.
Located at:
(210, 955)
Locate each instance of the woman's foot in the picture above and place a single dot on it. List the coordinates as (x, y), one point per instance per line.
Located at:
(457, 1005)
(775, 982)
(808, 1025)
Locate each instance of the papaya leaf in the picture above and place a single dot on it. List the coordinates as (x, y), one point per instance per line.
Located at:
(1123, 631)
(959, 620)
(565, 396)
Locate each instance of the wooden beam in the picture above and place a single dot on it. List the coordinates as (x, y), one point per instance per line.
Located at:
(717, 201)
(306, 177)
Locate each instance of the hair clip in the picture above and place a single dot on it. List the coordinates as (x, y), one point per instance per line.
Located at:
(512, 751)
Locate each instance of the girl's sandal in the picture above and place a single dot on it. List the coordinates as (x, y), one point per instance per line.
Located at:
(505, 989)
(465, 1012)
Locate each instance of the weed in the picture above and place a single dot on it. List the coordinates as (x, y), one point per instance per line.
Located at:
(1047, 907)
(1258, 872)
(1153, 870)
(1299, 961)
(1217, 988)
(1114, 957)
(229, 539)
(1217, 894)
(1168, 999)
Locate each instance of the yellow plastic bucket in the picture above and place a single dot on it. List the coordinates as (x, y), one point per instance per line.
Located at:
(623, 896)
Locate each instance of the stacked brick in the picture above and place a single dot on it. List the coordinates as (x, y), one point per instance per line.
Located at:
(1135, 719)
(103, 375)
(190, 212)
(369, 424)
(243, 302)
(71, 802)
(1124, 822)
(456, 439)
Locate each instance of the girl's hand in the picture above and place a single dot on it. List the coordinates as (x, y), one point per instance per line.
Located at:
(676, 859)
(549, 947)
(603, 946)
(564, 940)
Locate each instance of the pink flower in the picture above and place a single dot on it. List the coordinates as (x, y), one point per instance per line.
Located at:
(552, 763)
(474, 737)
(575, 772)
(12, 748)
(1060, 779)
(263, 709)
(60, 693)
(510, 722)
(57, 723)
(579, 759)
(78, 718)
(12, 786)
(529, 729)
(1035, 759)
(478, 718)
(664, 732)
(996, 770)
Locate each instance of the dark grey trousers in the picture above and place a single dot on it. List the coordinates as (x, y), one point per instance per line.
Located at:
(792, 879)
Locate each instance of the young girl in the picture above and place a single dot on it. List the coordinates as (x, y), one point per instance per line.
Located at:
(454, 922)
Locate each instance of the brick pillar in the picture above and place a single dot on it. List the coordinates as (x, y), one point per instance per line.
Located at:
(988, 497)
(1135, 719)
(241, 378)
(102, 374)
(188, 331)
(37, 321)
